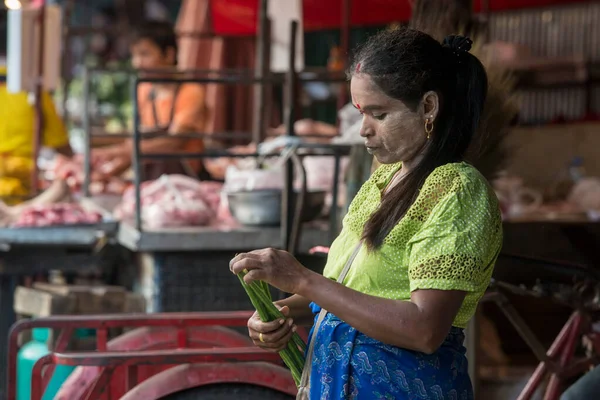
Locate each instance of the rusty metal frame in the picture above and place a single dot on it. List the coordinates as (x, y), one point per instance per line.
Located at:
(108, 361)
(102, 323)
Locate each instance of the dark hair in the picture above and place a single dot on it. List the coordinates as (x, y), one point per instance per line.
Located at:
(161, 33)
(405, 64)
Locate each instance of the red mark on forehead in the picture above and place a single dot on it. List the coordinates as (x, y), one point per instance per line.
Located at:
(357, 70)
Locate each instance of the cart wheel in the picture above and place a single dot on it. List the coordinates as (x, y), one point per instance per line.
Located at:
(228, 391)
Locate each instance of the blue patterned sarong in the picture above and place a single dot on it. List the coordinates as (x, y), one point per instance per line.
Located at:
(350, 365)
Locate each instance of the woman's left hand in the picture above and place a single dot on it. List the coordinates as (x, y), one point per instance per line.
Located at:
(276, 267)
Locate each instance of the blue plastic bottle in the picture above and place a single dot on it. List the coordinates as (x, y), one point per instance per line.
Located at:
(28, 356)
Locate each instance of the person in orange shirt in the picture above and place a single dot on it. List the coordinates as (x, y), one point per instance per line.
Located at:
(163, 107)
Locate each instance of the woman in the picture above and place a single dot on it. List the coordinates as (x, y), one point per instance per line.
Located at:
(419, 242)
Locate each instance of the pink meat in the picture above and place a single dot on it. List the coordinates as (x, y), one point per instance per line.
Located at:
(56, 214)
(174, 201)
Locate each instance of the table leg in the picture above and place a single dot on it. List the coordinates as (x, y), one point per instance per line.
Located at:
(8, 284)
(472, 345)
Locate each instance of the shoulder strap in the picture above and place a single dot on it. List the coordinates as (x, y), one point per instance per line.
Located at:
(348, 264)
(304, 388)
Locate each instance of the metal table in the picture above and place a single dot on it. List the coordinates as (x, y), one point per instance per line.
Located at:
(186, 269)
(239, 239)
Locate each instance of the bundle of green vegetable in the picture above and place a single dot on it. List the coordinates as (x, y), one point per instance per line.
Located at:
(260, 296)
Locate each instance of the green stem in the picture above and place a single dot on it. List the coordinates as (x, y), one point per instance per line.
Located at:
(260, 296)
(299, 343)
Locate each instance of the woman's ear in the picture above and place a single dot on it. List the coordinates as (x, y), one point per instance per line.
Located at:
(430, 105)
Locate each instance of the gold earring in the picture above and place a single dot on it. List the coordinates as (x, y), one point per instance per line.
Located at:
(428, 127)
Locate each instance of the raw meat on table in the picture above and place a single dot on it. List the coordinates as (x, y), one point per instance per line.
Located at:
(174, 201)
(56, 214)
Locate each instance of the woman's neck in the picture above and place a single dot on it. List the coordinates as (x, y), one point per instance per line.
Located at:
(409, 165)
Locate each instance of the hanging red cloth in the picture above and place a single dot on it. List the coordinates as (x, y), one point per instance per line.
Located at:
(238, 17)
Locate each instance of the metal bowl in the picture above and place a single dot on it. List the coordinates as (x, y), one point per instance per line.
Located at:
(263, 207)
(258, 207)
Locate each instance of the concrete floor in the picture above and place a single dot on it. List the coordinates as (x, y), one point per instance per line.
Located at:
(503, 390)
(504, 383)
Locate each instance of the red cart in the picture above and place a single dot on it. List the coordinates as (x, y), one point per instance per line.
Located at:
(165, 356)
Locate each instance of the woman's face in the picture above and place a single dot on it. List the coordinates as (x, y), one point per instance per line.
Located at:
(392, 131)
(145, 54)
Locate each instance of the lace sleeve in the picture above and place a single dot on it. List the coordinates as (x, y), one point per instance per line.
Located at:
(457, 246)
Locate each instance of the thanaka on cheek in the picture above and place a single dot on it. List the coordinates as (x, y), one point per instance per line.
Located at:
(399, 137)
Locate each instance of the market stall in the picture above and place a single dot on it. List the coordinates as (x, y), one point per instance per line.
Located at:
(178, 246)
(182, 266)
(182, 261)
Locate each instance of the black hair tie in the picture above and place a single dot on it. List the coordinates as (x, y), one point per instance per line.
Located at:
(458, 45)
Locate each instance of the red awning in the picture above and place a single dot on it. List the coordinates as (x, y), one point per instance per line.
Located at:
(239, 17)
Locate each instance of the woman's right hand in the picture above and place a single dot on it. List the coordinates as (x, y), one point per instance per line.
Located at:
(275, 335)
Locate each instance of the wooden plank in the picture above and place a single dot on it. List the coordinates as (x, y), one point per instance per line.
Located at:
(37, 303)
(90, 299)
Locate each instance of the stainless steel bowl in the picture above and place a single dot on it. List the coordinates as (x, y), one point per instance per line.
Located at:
(258, 207)
(263, 207)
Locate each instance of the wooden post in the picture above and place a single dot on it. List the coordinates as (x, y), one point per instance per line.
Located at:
(472, 346)
(67, 7)
(345, 48)
(37, 91)
(262, 67)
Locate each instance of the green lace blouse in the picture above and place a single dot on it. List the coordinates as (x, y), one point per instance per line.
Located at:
(449, 239)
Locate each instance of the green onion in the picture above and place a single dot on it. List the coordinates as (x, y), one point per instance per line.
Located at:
(260, 296)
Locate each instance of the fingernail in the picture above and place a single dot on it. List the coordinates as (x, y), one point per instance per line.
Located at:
(291, 322)
(294, 328)
(281, 321)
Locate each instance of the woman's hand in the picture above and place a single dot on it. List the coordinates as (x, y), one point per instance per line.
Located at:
(276, 267)
(271, 336)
